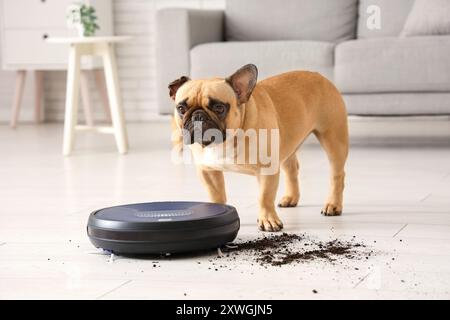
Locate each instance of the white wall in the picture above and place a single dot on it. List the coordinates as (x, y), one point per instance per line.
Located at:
(135, 59)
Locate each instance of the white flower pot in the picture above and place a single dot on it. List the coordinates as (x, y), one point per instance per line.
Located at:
(80, 30)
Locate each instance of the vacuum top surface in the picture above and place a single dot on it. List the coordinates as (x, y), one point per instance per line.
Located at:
(160, 214)
(161, 211)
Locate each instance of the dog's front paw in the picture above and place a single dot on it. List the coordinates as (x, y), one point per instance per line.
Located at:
(269, 221)
(289, 201)
(332, 209)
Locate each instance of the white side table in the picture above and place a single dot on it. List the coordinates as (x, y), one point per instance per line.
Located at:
(104, 47)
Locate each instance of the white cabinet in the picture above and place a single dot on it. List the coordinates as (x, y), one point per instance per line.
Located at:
(25, 24)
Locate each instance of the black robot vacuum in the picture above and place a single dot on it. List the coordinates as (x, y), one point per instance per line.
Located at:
(163, 227)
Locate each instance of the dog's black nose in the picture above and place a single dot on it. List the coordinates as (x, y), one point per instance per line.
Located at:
(198, 115)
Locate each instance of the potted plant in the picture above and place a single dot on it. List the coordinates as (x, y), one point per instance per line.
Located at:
(83, 18)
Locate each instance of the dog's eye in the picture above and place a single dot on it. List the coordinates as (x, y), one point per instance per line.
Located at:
(219, 108)
(181, 109)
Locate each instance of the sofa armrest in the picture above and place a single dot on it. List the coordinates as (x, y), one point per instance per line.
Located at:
(177, 31)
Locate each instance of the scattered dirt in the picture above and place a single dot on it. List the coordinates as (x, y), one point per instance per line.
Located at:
(277, 250)
(285, 248)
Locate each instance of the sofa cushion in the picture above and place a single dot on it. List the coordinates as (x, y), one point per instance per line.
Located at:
(220, 59)
(398, 104)
(393, 15)
(320, 20)
(428, 18)
(393, 65)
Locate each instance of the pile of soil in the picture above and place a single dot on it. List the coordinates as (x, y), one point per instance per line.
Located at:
(286, 248)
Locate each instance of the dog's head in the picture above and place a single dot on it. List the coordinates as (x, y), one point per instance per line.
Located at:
(206, 108)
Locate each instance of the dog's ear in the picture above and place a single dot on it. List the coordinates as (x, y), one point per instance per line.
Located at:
(175, 85)
(243, 81)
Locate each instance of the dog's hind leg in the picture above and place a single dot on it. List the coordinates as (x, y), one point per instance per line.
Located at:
(290, 167)
(335, 145)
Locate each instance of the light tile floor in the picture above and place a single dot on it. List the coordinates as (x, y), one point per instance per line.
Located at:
(397, 189)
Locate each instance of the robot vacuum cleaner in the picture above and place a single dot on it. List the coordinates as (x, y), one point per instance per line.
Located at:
(163, 227)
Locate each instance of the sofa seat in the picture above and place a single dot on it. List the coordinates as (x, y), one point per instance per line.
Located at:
(393, 65)
(220, 59)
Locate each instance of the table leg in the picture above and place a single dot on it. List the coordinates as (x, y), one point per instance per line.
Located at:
(38, 93)
(112, 84)
(18, 94)
(70, 119)
(101, 86)
(86, 98)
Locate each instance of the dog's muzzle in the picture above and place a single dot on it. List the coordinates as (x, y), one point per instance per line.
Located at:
(200, 128)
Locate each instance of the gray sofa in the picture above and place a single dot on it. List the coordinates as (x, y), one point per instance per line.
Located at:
(378, 72)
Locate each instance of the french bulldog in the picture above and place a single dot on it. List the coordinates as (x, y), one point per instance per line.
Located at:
(293, 105)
